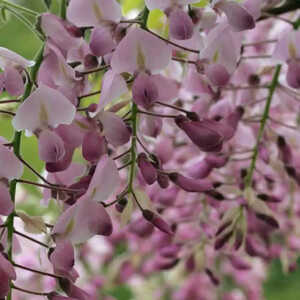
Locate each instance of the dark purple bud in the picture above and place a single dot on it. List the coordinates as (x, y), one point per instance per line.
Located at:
(191, 185)
(216, 195)
(238, 263)
(239, 238)
(220, 242)
(90, 61)
(157, 221)
(93, 146)
(147, 169)
(181, 25)
(253, 79)
(268, 219)
(212, 277)
(268, 198)
(223, 227)
(293, 74)
(163, 180)
(169, 251)
(286, 154)
(205, 134)
(121, 204)
(215, 160)
(144, 91)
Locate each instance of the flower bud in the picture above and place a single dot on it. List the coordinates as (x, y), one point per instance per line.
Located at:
(157, 221)
(191, 185)
(147, 169)
(94, 146)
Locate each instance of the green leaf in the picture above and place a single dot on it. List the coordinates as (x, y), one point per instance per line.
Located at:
(201, 3)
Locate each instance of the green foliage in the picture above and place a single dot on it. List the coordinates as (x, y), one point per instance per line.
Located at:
(280, 285)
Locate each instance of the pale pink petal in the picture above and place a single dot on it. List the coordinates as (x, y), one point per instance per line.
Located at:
(113, 87)
(52, 24)
(167, 88)
(43, 108)
(158, 4)
(101, 41)
(7, 267)
(14, 84)
(94, 145)
(139, 51)
(293, 74)
(10, 58)
(181, 25)
(105, 181)
(51, 146)
(93, 12)
(6, 205)
(217, 74)
(114, 128)
(82, 221)
(11, 167)
(62, 259)
(238, 17)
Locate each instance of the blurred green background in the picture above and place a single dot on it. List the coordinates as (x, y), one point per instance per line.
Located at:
(15, 36)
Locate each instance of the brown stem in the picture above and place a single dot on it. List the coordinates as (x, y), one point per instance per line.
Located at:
(30, 238)
(172, 43)
(29, 291)
(121, 155)
(156, 115)
(37, 271)
(7, 112)
(51, 187)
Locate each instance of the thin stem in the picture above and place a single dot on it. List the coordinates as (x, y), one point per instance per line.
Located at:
(254, 44)
(25, 21)
(248, 87)
(37, 271)
(30, 238)
(120, 196)
(172, 43)
(90, 94)
(283, 124)
(102, 68)
(50, 187)
(19, 7)
(156, 115)
(7, 112)
(122, 154)
(172, 106)
(124, 166)
(34, 171)
(9, 101)
(274, 83)
(184, 61)
(16, 143)
(256, 56)
(137, 202)
(29, 291)
(275, 11)
(63, 9)
(143, 146)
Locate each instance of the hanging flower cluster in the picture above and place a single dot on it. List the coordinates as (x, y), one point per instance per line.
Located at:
(179, 145)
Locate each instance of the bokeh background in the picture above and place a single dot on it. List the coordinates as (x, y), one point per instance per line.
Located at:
(15, 36)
